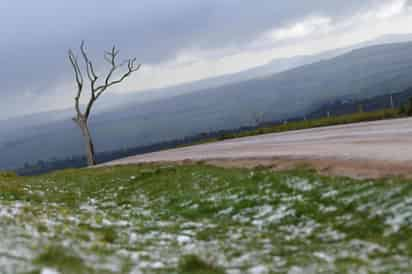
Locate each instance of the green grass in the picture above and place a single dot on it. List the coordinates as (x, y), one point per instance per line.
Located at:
(314, 123)
(203, 220)
(192, 264)
(62, 260)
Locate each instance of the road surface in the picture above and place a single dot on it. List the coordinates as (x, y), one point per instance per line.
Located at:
(372, 149)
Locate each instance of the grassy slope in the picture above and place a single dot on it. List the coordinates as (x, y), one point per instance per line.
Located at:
(200, 219)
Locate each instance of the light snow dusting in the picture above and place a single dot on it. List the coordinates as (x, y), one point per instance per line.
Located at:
(285, 224)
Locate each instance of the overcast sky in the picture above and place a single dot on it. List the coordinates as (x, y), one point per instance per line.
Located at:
(176, 41)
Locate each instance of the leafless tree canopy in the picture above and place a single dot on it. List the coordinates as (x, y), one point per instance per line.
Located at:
(96, 89)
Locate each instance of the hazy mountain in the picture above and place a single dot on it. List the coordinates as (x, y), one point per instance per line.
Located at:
(272, 67)
(28, 125)
(358, 74)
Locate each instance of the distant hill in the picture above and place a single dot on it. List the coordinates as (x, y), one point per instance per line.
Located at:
(271, 67)
(356, 75)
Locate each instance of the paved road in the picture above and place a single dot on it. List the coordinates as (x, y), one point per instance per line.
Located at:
(389, 140)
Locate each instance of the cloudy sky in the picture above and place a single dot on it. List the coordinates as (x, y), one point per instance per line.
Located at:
(176, 41)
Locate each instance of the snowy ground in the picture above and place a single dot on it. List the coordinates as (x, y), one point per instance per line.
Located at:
(146, 219)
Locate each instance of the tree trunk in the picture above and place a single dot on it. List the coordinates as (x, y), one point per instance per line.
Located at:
(82, 123)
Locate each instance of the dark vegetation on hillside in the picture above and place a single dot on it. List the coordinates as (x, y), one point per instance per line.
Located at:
(339, 112)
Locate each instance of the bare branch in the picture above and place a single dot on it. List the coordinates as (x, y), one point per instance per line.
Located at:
(86, 60)
(90, 71)
(131, 67)
(79, 80)
(96, 92)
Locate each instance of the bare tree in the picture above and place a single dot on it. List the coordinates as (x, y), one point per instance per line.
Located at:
(96, 89)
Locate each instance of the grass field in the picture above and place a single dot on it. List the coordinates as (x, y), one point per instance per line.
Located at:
(205, 220)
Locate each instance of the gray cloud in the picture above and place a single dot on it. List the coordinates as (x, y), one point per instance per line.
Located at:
(35, 35)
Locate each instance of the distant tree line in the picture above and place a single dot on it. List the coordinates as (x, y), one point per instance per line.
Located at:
(406, 108)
